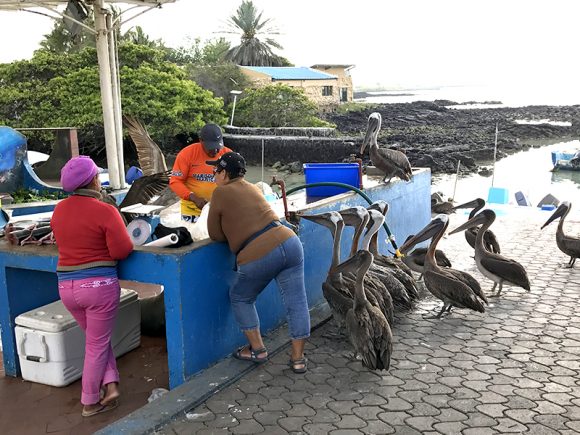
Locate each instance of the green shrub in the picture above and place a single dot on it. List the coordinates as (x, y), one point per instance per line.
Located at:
(277, 106)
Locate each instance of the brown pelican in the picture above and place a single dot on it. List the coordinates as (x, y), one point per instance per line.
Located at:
(356, 217)
(438, 205)
(141, 191)
(495, 267)
(567, 244)
(445, 284)
(334, 289)
(151, 158)
(337, 287)
(395, 280)
(394, 265)
(392, 162)
(415, 259)
(368, 329)
(489, 240)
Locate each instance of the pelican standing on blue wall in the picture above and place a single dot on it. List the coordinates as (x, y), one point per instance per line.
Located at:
(392, 162)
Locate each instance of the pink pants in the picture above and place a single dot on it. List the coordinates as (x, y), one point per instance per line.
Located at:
(93, 302)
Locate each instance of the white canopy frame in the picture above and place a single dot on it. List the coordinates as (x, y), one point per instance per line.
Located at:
(108, 67)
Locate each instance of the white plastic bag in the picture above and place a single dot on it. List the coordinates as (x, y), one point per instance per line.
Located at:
(157, 393)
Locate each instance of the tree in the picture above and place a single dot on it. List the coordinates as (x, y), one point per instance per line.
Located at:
(56, 90)
(277, 106)
(220, 79)
(252, 50)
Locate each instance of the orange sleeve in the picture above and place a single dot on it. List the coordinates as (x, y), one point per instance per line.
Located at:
(179, 174)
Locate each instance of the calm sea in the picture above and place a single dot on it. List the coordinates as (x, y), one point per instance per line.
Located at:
(510, 96)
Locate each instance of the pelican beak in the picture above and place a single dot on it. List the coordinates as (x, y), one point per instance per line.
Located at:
(354, 263)
(328, 220)
(353, 215)
(562, 208)
(475, 221)
(381, 206)
(426, 233)
(470, 204)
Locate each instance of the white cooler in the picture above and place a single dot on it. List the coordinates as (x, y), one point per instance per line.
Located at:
(51, 345)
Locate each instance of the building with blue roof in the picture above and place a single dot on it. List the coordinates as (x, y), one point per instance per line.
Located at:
(326, 85)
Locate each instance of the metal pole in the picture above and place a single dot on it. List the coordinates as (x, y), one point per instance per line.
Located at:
(116, 89)
(107, 95)
(456, 177)
(262, 165)
(233, 110)
(494, 154)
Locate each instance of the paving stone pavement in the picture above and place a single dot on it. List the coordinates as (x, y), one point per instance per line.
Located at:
(513, 369)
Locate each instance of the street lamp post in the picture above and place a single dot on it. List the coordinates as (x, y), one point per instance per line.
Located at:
(235, 94)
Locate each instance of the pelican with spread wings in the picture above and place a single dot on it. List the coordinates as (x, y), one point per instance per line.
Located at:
(152, 162)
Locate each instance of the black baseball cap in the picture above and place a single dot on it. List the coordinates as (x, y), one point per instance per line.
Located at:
(211, 136)
(231, 162)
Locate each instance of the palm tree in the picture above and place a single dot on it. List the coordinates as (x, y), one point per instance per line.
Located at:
(253, 51)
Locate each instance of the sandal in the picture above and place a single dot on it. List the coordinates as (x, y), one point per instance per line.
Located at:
(103, 408)
(298, 362)
(253, 354)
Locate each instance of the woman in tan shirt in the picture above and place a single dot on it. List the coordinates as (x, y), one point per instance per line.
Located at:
(265, 250)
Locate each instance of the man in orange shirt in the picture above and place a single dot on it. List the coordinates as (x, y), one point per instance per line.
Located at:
(192, 179)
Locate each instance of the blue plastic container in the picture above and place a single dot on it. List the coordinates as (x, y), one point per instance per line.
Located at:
(498, 195)
(134, 173)
(347, 173)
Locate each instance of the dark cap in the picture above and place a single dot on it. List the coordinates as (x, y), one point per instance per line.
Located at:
(231, 162)
(211, 136)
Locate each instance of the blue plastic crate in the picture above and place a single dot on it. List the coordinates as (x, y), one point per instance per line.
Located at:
(498, 195)
(347, 173)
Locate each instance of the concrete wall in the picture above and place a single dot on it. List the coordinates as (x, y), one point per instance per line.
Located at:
(282, 131)
(201, 328)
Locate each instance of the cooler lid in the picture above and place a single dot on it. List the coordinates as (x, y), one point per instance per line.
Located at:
(54, 317)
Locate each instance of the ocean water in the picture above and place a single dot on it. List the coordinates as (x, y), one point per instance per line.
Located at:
(509, 96)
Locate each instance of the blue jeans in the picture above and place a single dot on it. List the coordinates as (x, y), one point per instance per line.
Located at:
(285, 264)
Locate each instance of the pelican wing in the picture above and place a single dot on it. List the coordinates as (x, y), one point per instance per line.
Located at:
(151, 157)
(470, 281)
(337, 300)
(508, 270)
(395, 158)
(442, 259)
(145, 188)
(572, 246)
(491, 243)
(450, 289)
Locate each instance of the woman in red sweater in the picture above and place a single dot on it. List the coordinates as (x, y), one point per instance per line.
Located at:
(91, 238)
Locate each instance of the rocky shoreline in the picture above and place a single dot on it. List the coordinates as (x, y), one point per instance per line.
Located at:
(434, 135)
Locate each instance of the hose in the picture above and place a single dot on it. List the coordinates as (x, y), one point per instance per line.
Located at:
(391, 238)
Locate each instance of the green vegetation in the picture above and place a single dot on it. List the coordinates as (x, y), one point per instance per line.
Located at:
(354, 107)
(59, 90)
(21, 196)
(277, 106)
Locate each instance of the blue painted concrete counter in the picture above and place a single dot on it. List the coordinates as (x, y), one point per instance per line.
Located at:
(200, 326)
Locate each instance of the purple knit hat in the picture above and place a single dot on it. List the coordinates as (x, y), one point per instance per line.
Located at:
(77, 172)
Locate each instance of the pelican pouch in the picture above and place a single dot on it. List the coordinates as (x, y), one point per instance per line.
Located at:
(182, 234)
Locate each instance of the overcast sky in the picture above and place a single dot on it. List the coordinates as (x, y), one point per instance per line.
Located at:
(393, 43)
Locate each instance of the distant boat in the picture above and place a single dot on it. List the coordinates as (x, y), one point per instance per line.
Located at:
(568, 160)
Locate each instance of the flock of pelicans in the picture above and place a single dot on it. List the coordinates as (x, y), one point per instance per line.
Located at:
(364, 290)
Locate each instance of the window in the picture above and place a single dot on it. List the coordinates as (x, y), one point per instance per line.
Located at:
(327, 91)
(343, 94)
